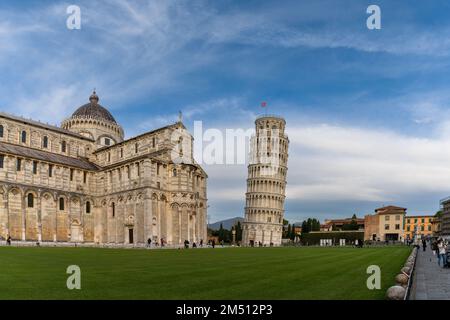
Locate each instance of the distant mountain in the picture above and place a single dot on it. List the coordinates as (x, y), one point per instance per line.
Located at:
(227, 224)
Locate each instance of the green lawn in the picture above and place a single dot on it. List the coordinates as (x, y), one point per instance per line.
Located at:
(232, 273)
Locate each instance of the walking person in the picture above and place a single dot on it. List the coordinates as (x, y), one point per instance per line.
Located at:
(442, 253)
(424, 245)
(149, 242)
(8, 241)
(435, 249)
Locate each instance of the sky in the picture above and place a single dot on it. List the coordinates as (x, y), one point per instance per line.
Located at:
(367, 111)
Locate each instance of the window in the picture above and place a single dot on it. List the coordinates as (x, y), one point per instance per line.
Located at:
(63, 146)
(61, 204)
(121, 152)
(157, 168)
(128, 172)
(71, 174)
(24, 137)
(138, 169)
(397, 217)
(136, 148)
(422, 228)
(35, 164)
(30, 201)
(2, 161)
(415, 220)
(409, 220)
(19, 164)
(408, 228)
(174, 172)
(88, 207)
(154, 142)
(429, 228)
(397, 227)
(158, 185)
(113, 207)
(387, 218)
(84, 177)
(1, 131)
(50, 170)
(109, 156)
(45, 142)
(107, 142)
(423, 220)
(386, 227)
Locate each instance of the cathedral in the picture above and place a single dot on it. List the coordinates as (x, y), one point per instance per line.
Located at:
(83, 183)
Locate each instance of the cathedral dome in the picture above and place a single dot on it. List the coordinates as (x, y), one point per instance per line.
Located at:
(93, 110)
(95, 122)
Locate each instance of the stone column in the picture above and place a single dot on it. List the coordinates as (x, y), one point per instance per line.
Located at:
(147, 213)
(6, 204)
(69, 215)
(39, 217)
(136, 224)
(55, 230)
(194, 227)
(24, 224)
(82, 206)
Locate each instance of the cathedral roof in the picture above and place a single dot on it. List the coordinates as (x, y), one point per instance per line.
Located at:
(43, 125)
(23, 151)
(94, 110)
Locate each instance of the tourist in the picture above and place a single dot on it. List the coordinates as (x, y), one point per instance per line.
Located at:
(162, 242)
(194, 245)
(149, 242)
(442, 253)
(201, 243)
(186, 244)
(424, 245)
(8, 241)
(435, 249)
(213, 243)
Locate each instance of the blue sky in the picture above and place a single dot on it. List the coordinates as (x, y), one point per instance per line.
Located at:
(367, 110)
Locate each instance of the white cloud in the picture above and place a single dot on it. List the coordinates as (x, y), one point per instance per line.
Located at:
(349, 163)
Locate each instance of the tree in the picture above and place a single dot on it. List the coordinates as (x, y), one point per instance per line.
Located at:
(222, 233)
(309, 225)
(238, 229)
(353, 225)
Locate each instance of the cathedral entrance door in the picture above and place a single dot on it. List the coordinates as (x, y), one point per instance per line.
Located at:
(130, 236)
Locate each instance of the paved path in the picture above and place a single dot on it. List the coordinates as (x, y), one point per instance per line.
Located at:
(431, 282)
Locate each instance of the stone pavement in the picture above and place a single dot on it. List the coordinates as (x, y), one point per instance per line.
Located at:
(431, 282)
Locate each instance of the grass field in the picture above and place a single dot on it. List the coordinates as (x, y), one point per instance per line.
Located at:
(232, 273)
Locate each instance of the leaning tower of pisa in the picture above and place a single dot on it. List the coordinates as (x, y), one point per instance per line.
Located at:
(266, 183)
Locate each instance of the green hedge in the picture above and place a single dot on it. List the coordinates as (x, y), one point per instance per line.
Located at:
(314, 238)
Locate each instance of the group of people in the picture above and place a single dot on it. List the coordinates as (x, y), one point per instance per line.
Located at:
(149, 243)
(194, 245)
(439, 247)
